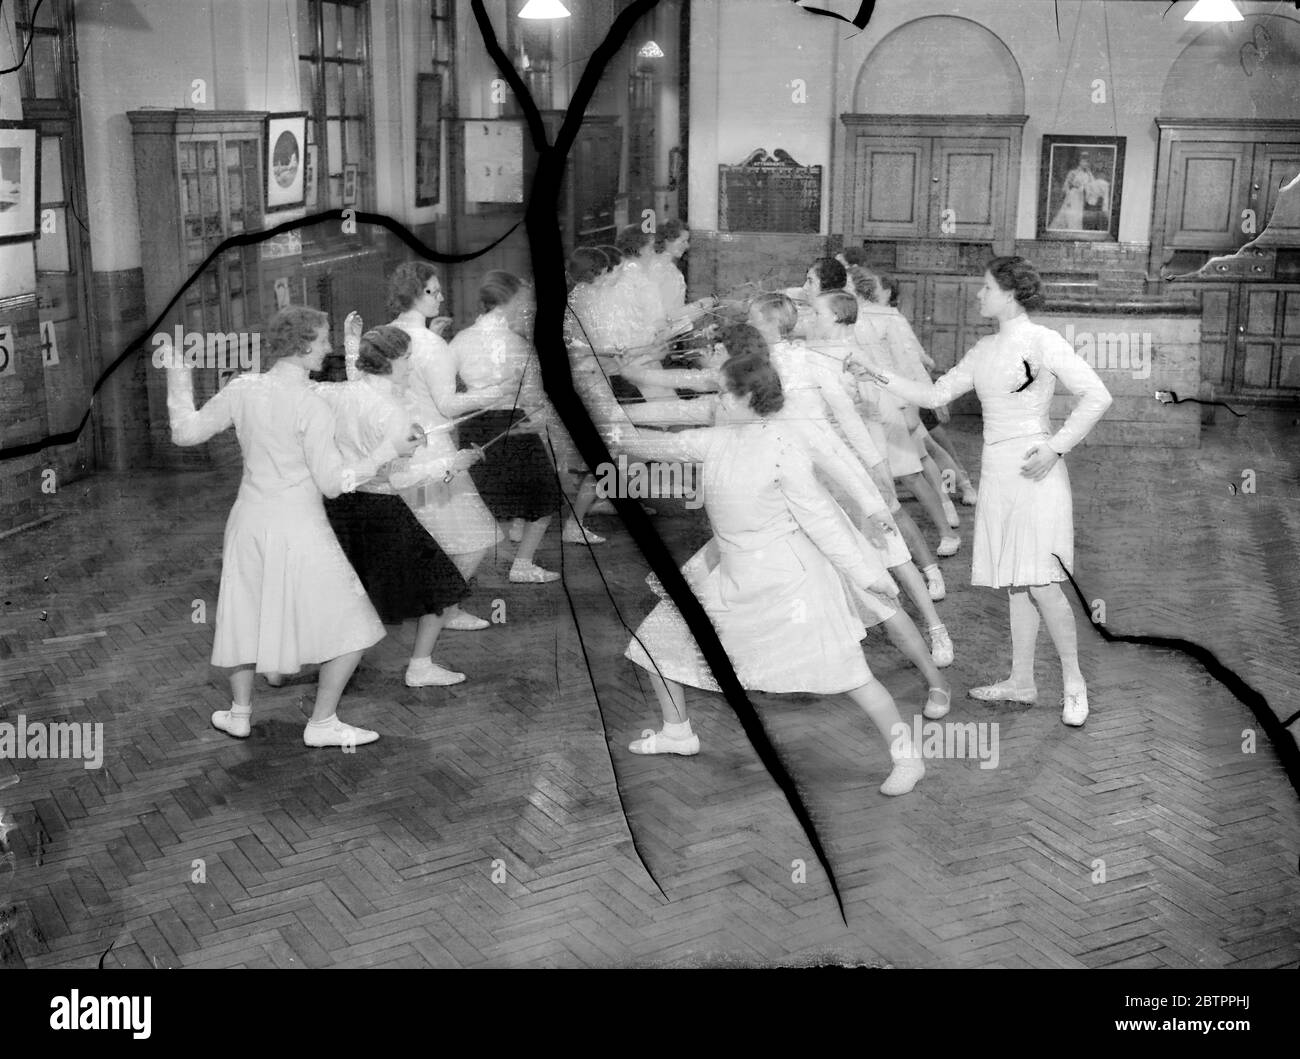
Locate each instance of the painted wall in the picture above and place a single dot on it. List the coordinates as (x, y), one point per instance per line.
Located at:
(148, 54)
(745, 57)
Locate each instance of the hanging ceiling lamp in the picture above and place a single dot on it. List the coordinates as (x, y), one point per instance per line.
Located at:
(651, 50)
(1213, 11)
(544, 9)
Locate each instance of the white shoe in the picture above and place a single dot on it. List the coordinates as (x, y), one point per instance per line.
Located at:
(516, 530)
(934, 583)
(333, 732)
(969, 495)
(531, 574)
(652, 742)
(950, 513)
(1075, 708)
(232, 723)
(948, 546)
(576, 533)
(941, 647)
(1004, 691)
(463, 622)
(934, 708)
(429, 674)
(907, 773)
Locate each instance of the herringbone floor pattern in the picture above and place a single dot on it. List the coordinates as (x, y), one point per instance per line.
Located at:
(485, 828)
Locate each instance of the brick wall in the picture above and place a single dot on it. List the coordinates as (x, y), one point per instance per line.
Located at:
(1105, 270)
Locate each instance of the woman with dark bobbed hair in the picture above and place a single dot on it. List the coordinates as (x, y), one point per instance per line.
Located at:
(495, 360)
(1024, 516)
(405, 572)
(784, 577)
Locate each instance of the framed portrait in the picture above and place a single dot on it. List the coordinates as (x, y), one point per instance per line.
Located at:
(350, 176)
(286, 142)
(310, 176)
(428, 139)
(20, 177)
(1080, 180)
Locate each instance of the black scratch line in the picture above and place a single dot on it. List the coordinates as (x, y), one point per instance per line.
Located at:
(547, 253)
(591, 678)
(1286, 749)
(1170, 397)
(860, 20)
(69, 437)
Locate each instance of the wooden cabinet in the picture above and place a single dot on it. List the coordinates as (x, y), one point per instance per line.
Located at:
(1250, 339)
(950, 177)
(199, 182)
(1208, 174)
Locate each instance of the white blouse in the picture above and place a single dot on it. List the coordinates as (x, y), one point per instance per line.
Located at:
(286, 434)
(995, 369)
(489, 354)
(369, 413)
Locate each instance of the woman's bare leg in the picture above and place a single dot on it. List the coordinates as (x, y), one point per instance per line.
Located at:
(334, 677)
(878, 704)
(929, 500)
(676, 736)
(533, 534)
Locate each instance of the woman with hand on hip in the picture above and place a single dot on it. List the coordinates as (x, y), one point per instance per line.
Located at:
(288, 595)
(1024, 516)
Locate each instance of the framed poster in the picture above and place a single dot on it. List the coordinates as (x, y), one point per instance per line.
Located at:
(428, 139)
(494, 160)
(286, 139)
(1079, 183)
(350, 184)
(20, 177)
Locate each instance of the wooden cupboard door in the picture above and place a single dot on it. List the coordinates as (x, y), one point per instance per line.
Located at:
(890, 195)
(1288, 353)
(968, 199)
(1208, 190)
(1275, 165)
(952, 318)
(1268, 340)
(1218, 338)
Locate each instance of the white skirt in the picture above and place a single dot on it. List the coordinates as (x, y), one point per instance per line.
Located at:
(288, 594)
(1020, 524)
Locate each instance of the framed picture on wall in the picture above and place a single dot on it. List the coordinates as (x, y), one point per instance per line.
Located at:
(428, 139)
(350, 176)
(20, 175)
(1080, 179)
(286, 141)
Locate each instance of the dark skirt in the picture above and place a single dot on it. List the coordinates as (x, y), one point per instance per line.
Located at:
(403, 570)
(515, 479)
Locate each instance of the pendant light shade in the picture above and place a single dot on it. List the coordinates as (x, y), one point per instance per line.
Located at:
(651, 50)
(1213, 11)
(544, 9)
